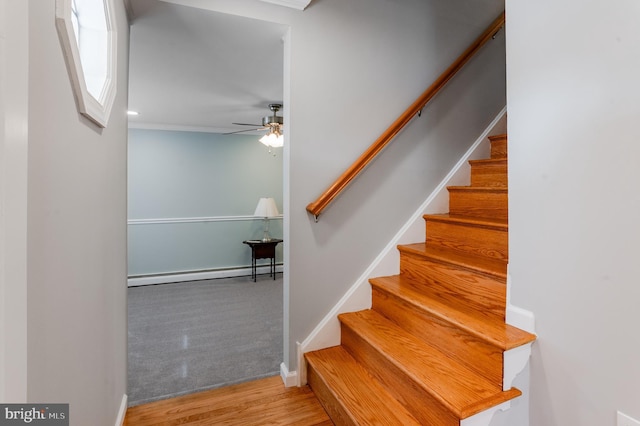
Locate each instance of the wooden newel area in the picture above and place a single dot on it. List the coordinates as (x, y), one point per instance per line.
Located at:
(318, 206)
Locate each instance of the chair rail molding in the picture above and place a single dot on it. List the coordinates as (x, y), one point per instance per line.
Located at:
(156, 221)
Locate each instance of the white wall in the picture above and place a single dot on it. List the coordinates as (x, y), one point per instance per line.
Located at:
(76, 253)
(355, 66)
(574, 143)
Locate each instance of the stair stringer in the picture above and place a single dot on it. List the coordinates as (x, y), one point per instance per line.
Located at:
(358, 297)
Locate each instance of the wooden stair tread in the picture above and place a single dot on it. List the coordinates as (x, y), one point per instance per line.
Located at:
(493, 267)
(493, 331)
(489, 161)
(457, 387)
(485, 222)
(491, 189)
(367, 401)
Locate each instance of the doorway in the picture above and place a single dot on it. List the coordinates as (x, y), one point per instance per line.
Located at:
(195, 177)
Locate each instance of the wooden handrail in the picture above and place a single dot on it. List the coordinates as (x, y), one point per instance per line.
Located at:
(317, 207)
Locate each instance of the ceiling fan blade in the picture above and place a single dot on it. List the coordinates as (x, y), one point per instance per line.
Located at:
(246, 124)
(242, 131)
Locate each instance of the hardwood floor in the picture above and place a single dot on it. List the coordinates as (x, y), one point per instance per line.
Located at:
(261, 402)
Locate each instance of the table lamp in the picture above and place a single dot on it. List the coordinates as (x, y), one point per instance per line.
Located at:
(265, 209)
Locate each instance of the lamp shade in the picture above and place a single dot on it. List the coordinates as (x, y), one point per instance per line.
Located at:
(273, 140)
(266, 208)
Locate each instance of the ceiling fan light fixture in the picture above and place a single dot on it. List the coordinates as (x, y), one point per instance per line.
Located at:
(273, 139)
(273, 124)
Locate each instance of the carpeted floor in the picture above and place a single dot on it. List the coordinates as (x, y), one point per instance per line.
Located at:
(192, 336)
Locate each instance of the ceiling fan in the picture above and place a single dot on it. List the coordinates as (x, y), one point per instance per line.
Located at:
(273, 123)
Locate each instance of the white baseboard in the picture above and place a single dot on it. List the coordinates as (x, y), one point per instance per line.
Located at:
(289, 379)
(123, 410)
(358, 297)
(196, 275)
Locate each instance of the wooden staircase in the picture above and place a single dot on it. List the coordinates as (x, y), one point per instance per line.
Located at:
(430, 350)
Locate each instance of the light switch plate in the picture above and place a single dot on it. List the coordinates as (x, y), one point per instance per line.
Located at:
(624, 420)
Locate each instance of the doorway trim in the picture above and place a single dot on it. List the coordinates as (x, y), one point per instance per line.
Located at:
(288, 378)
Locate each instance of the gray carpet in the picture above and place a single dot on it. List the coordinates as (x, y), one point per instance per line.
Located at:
(192, 336)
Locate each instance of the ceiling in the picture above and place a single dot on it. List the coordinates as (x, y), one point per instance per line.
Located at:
(193, 69)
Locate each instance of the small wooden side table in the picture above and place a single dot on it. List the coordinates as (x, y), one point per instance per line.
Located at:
(263, 250)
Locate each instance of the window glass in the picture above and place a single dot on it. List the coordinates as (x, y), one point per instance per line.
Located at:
(74, 18)
(90, 28)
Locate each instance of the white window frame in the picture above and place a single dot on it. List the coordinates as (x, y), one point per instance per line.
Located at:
(97, 110)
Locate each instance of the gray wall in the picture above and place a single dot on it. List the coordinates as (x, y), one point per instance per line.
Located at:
(357, 65)
(186, 175)
(574, 144)
(76, 253)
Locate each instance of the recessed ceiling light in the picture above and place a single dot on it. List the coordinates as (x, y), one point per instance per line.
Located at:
(132, 112)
